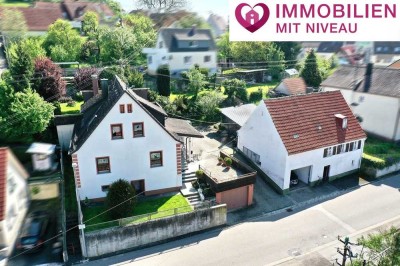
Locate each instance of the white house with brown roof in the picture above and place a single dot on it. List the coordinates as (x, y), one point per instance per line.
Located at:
(292, 86)
(121, 135)
(181, 50)
(14, 199)
(316, 136)
(374, 96)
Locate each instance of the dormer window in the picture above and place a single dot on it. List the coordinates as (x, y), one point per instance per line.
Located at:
(193, 44)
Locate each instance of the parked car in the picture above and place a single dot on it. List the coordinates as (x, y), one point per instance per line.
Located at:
(33, 231)
(294, 179)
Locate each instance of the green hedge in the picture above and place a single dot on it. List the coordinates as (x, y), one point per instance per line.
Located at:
(374, 162)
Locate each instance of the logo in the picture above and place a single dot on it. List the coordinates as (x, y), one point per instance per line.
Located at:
(252, 21)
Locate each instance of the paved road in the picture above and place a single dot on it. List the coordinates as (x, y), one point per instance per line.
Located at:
(284, 238)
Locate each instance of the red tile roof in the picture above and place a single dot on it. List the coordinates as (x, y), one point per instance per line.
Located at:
(76, 9)
(40, 18)
(295, 85)
(308, 122)
(3, 181)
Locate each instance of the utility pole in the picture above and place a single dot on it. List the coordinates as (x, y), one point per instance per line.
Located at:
(347, 253)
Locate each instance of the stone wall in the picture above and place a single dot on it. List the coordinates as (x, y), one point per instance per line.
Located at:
(112, 240)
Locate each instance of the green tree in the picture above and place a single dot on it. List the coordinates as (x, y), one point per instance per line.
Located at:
(118, 45)
(21, 66)
(224, 46)
(235, 88)
(48, 83)
(135, 79)
(188, 22)
(23, 115)
(208, 104)
(115, 6)
(310, 72)
(291, 51)
(90, 23)
(163, 80)
(121, 199)
(62, 42)
(162, 6)
(142, 28)
(13, 24)
(196, 81)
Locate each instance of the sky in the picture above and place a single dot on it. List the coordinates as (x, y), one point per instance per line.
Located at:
(202, 7)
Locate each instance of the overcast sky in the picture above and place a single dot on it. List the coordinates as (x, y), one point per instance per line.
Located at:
(203, 7)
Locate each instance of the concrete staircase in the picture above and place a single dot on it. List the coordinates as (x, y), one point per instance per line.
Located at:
(188, 191)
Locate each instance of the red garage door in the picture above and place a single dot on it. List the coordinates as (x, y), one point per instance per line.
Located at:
(235, 198)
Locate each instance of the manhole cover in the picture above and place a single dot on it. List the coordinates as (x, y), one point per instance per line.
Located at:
(289, 209)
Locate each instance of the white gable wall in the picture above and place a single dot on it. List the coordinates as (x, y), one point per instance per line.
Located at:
(260, 135)
(379, 113)
(282, 89)
(129, 157)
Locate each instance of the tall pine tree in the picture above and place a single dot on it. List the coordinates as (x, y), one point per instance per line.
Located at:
(163, 80)
(310, 72)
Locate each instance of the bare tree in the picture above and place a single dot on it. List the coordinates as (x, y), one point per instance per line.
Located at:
(162, 5)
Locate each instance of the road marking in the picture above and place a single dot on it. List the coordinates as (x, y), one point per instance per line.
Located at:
(335, 218)
(335, 242)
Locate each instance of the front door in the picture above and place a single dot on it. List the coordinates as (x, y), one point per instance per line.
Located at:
(138, 185)
(325, 177)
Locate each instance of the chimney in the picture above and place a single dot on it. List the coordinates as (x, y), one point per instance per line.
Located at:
(104, 87)
(95, 85)
(342, 121)
(193, 31)
(368, 77)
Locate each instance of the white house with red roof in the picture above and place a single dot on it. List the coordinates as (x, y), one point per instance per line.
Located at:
(14, 198)
(314, 136)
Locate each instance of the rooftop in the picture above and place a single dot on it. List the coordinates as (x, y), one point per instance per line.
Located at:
(308, 122)
(295, 85)
(384, 81)
(41, 148)
(239, 114)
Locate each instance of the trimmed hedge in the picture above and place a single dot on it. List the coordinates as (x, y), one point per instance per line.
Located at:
(374, 162)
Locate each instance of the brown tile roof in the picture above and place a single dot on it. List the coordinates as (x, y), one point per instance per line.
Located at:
(3, 181)
(40, 18)
(295, 85)
(384, 81)
(76, 9)
(308, 122)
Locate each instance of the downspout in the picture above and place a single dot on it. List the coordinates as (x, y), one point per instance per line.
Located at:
(396, 125)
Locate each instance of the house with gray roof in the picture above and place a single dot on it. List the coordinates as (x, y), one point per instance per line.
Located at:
(181, 50)
(121, 135)
(373, 93)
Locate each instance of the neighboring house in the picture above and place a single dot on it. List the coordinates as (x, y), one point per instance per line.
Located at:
(164, 20)
(395, 65)
(122, 135)
(374, 94)
(42, 14)
(292, 86)
(314, 136)
(182, 49)
(14, 198)
(236, 116)
(385, 53)
(218, 25)
(290, 73)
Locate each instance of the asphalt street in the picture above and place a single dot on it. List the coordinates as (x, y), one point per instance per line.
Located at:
(304, 236)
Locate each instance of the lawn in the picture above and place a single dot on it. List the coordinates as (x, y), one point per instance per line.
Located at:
(71, 109)
(144, 210)
(15, 3)
(379, 153)
(266, 87)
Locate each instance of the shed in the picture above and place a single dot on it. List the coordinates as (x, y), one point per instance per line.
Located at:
(43, 156)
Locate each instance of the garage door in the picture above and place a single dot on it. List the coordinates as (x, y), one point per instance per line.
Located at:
(235, 198)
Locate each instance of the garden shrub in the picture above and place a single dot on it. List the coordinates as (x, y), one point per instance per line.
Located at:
(371, 161)
(121, 198)
(256, 96)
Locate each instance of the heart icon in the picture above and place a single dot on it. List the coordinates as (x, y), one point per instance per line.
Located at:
(258, 23)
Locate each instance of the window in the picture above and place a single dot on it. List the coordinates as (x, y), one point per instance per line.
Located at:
(187, 60)
(193, 44)
(129, 107)
(207, 58)
(103, 165)
(105, 188)
(160, 45)
(339, 149)
(351, 146)
(359, 145)
(328, 152)
(156, 159)
(122, 108)
(334, 150)
(116, 131)
(138, 130)
(347, 147)
(150, 60)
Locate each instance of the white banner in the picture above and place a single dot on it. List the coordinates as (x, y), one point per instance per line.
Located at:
(307, 20)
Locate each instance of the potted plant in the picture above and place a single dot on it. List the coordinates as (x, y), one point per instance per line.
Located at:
(221, 160)
(228, 162)
(199, 174)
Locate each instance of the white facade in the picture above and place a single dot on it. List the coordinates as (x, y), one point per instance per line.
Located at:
(129, 157)
(17, 202)
(178, 61)
(380, 114)
(260, 136)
